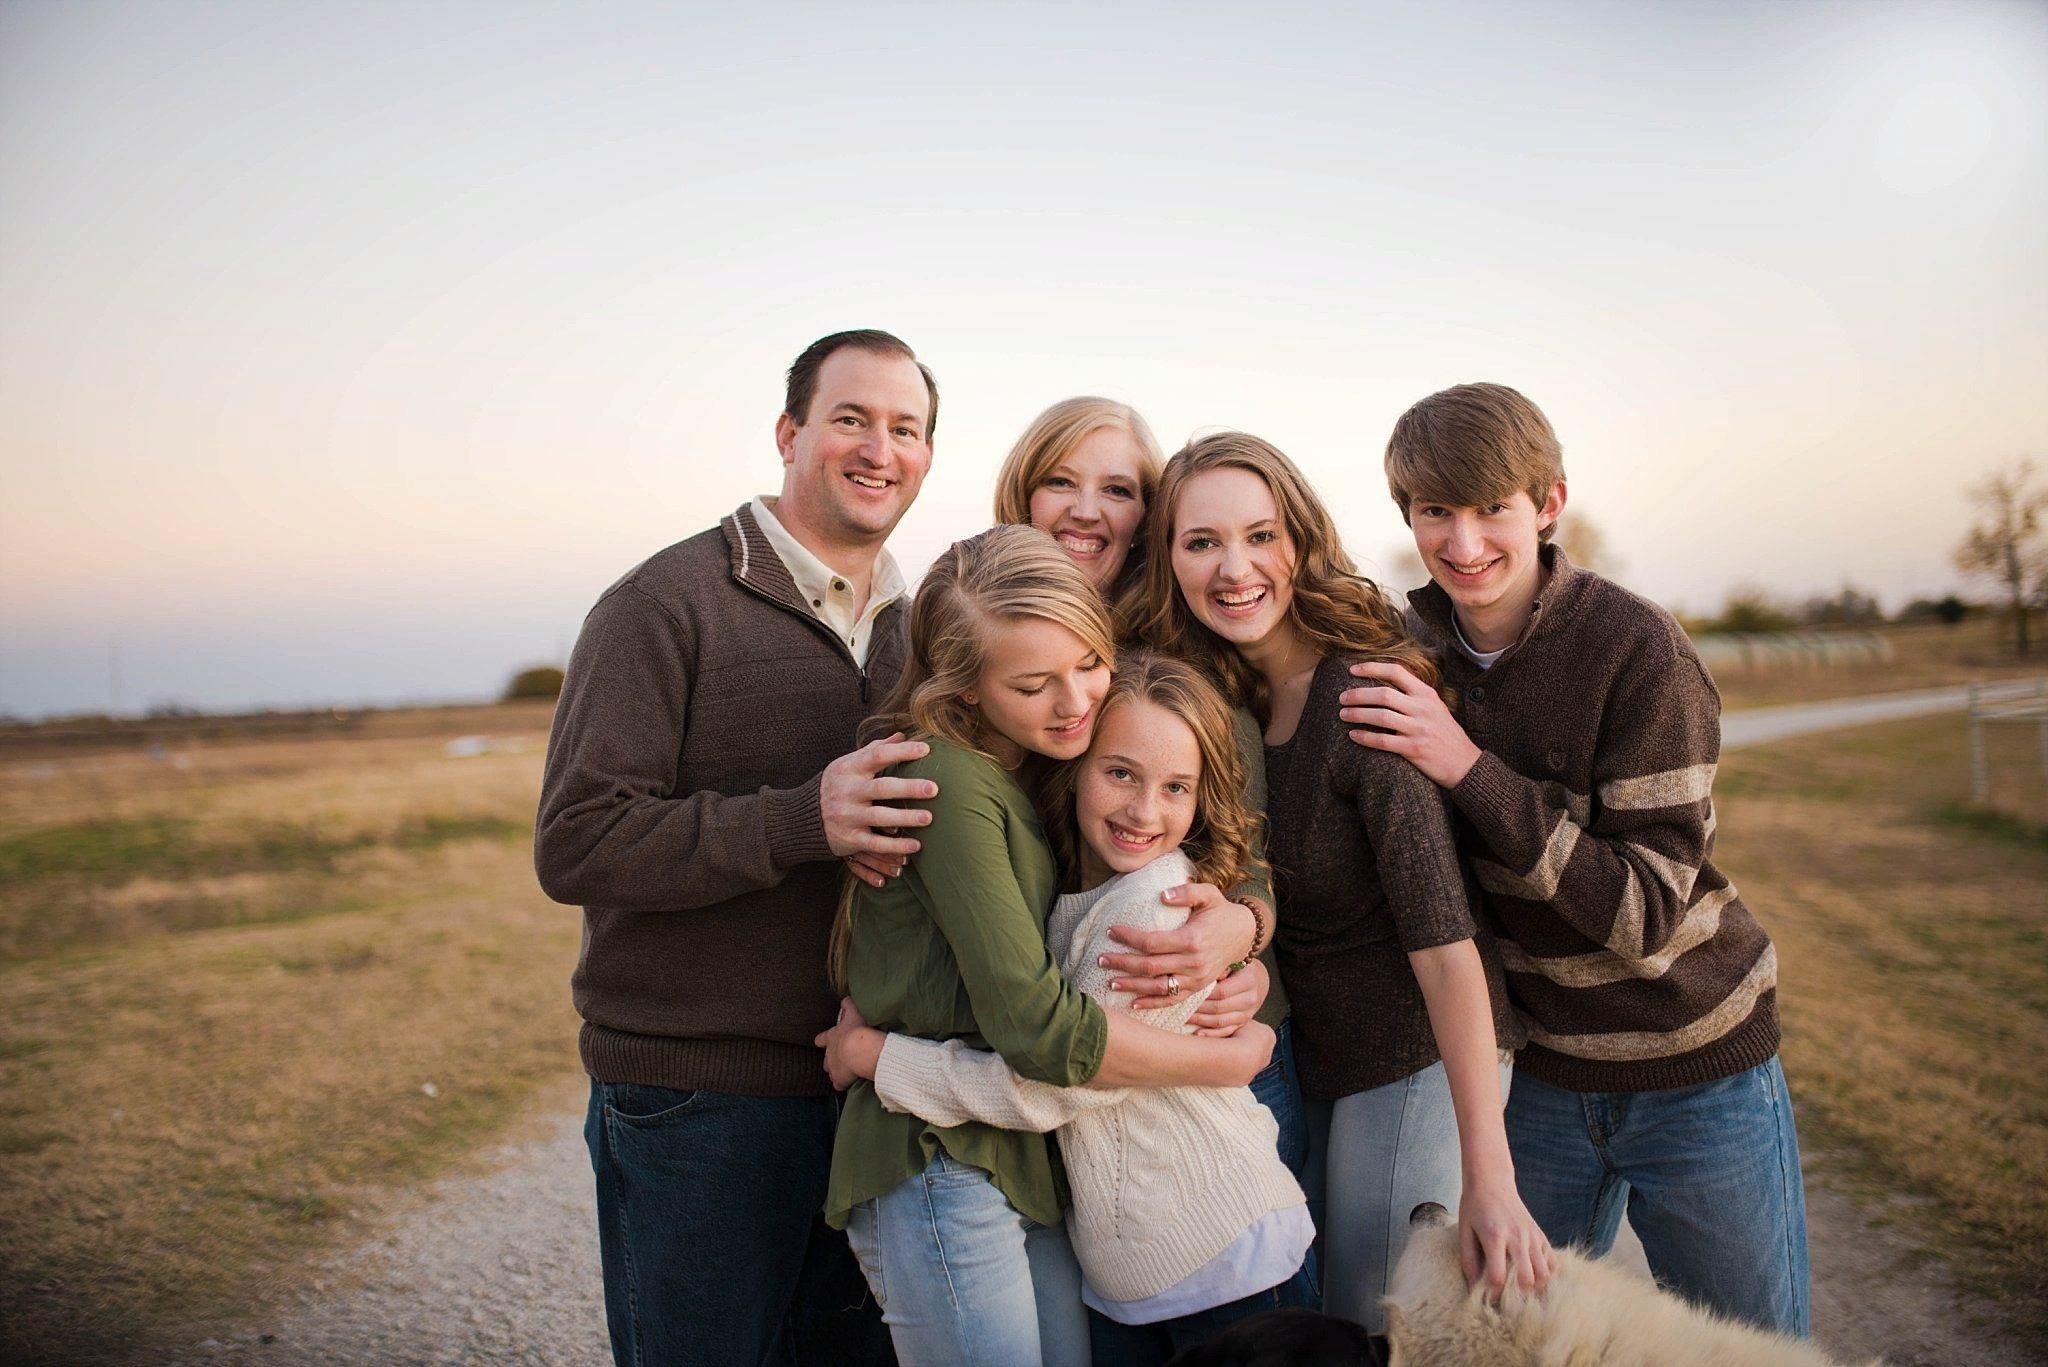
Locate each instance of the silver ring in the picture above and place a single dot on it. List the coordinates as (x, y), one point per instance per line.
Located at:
(1172, 985)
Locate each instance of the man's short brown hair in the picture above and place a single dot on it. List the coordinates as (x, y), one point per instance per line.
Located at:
(1472, 444)
(803, 371)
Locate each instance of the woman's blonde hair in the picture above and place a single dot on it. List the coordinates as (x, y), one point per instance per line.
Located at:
(1221, 841)
(1335, 608)
(1001, 575)
(1050, 439)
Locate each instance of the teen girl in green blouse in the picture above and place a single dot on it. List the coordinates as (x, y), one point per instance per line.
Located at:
(957, 1228)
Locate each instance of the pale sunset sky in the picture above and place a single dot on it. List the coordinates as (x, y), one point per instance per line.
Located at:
(348, 351)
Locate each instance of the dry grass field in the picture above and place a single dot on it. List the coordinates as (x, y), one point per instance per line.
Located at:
(1913, 941)
(250, 989)
(1923, 656)
(247, 986)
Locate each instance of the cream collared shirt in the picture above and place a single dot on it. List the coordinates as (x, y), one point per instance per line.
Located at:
(829, 592)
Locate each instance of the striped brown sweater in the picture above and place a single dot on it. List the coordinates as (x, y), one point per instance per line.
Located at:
(1589, 820)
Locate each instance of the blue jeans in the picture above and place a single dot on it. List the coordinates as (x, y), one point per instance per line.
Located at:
(1278, 1089)
(1374, 1157)
(964, 1279)
(1710, 1175)
(708, 1217)
(1144, 1345)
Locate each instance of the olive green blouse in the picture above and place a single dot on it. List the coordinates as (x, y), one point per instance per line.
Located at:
(955, 949)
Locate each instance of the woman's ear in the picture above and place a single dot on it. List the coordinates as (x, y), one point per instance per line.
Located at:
(969, 698)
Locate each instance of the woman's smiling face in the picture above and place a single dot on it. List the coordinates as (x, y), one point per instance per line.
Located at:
(1092, 503)
(1232, 555)
(1039, 689)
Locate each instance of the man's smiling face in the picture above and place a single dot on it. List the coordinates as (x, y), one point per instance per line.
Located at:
(854, 465)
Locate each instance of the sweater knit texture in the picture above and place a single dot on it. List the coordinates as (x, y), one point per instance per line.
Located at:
(955, 949)
(1251, 751)
(1589, 820)
(680, 809)
(1163, 1178)
(1367, 867)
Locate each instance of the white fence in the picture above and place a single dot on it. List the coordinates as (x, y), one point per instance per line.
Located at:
(1991, 711)
(1783, 650)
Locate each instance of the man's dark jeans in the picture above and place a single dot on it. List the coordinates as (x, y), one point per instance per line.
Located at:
(708, 1214)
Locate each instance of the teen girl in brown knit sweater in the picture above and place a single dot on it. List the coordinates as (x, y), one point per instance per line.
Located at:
(1399, 1007)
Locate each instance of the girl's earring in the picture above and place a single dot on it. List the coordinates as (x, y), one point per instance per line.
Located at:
(970, 700)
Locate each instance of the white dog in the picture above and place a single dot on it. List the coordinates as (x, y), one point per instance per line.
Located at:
(1590, 1315)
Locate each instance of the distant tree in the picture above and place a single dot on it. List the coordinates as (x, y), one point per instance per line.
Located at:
(1850, 608)
(541, 681)
(1948, 611)
(2005, 544)
(1586, 544)
(1749, 611)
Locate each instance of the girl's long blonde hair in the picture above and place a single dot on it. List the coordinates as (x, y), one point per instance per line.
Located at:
(1335, 608)
(1050, 439)
(1220, 843)
(1001, 575)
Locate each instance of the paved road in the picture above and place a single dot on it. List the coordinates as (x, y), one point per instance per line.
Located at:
(503, 1267)
(1761, 725)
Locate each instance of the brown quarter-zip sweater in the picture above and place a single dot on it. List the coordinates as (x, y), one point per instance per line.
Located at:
(1589, 820)
(680, 810)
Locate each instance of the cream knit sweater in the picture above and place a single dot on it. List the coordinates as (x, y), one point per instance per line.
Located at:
(1163, 1178)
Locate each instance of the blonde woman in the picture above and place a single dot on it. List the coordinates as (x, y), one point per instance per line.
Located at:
(1084, 472)
(957, 1226)
(1400, 1009)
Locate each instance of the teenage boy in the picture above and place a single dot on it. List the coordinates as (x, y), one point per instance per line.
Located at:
(702, 787)
(1581, 763)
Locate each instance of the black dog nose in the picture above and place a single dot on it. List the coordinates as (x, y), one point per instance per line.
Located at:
(1429, 1213)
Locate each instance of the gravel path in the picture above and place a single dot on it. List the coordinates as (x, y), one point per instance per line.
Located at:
(501, 1266)
(1760, 725)
(495, 1267)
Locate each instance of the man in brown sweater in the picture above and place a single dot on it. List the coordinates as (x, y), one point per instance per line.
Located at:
(703, 786)
(1581, 765)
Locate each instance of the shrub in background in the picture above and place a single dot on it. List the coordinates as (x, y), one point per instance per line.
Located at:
(541, 681)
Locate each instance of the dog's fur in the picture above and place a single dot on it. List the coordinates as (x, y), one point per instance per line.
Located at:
(1590, 1315)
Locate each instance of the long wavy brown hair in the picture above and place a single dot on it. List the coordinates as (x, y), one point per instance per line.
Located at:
(1221, 840)
(1335, 608)
(1001, 575)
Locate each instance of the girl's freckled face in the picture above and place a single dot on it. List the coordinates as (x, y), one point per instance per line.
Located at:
(1135, 799)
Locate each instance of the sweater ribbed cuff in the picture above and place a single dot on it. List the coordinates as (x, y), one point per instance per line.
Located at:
(896, 1078)
(796, 824)
(746, 1067)
(1487, 793)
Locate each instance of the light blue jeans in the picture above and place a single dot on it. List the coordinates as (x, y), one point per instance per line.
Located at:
(1373, 1157)
(963, 1278)
(1710, 1176)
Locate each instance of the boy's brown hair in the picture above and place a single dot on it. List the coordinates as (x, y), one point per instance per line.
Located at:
(1471, 444)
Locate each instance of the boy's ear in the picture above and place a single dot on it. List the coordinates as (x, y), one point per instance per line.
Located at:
(1552, 509)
